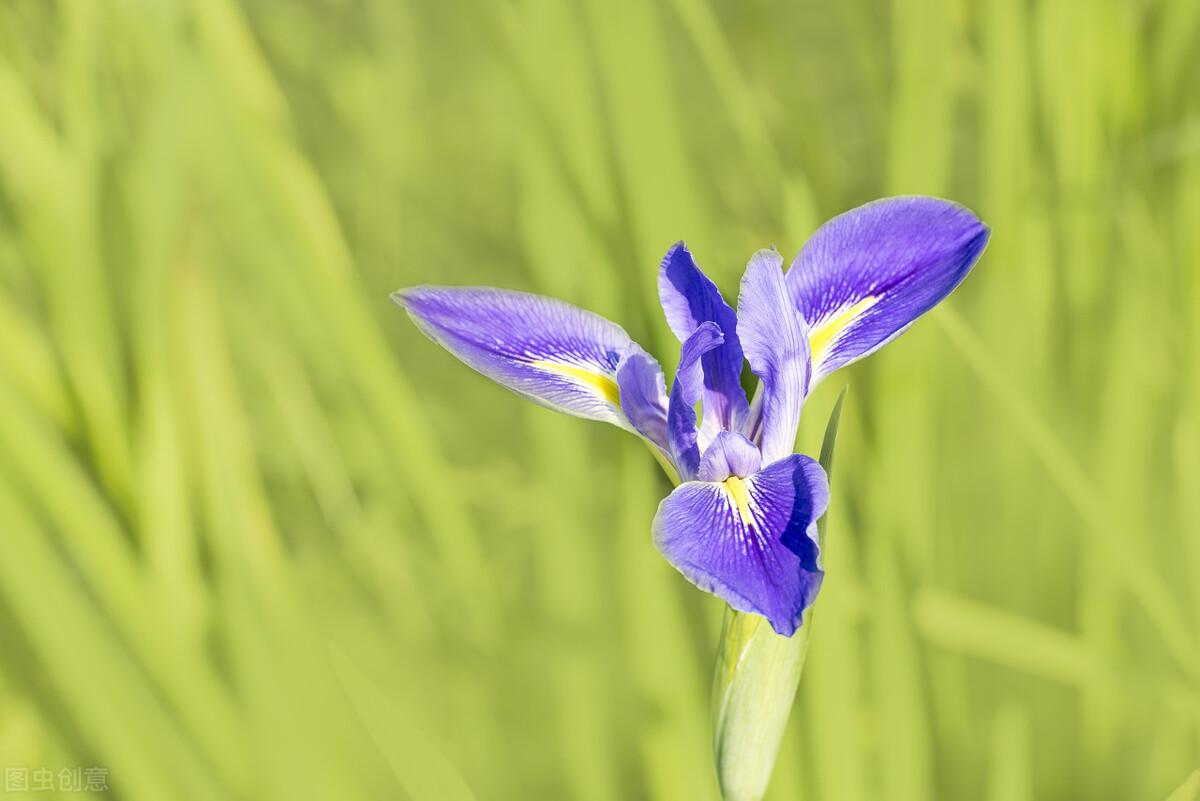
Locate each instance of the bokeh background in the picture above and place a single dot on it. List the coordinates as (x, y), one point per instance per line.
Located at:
(261, 540)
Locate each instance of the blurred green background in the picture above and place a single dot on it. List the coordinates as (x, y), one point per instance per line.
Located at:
(259, 539)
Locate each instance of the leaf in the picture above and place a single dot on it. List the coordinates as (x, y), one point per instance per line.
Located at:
(1189, 790)
(424, 772)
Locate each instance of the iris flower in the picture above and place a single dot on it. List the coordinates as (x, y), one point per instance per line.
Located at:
(741, 522)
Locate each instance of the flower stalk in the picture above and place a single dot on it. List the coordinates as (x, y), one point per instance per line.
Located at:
(757, 675)
(755, 682)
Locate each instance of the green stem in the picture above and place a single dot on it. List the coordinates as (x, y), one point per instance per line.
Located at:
(755, 682)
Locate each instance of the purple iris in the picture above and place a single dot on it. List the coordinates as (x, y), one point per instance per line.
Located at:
(742, 521)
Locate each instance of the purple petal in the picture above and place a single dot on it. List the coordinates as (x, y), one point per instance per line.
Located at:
(549, 351)
(644, 395)
(750, 541)
(690, 298)
(772, 335)
(730, 454)
(685, 392)
(868, 274)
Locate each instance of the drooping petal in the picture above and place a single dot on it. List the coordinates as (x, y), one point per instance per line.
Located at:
(685, 393)
(866, 275)
(751, 541)
(730, 454)
(644, 395)
(549, 351)
(774, 340)
(690, 298)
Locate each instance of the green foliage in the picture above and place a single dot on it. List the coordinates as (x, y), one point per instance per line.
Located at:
(259, 539)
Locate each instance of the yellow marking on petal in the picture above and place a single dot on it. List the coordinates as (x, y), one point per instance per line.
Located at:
(741, 498)
(604, 385)
(825, 333)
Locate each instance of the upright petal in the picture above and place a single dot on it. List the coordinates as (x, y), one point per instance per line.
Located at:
(690, 298)
(644, 395)
(773, 337)
(685, 393)
(549, 351)
(751, 541)
(866, 275)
